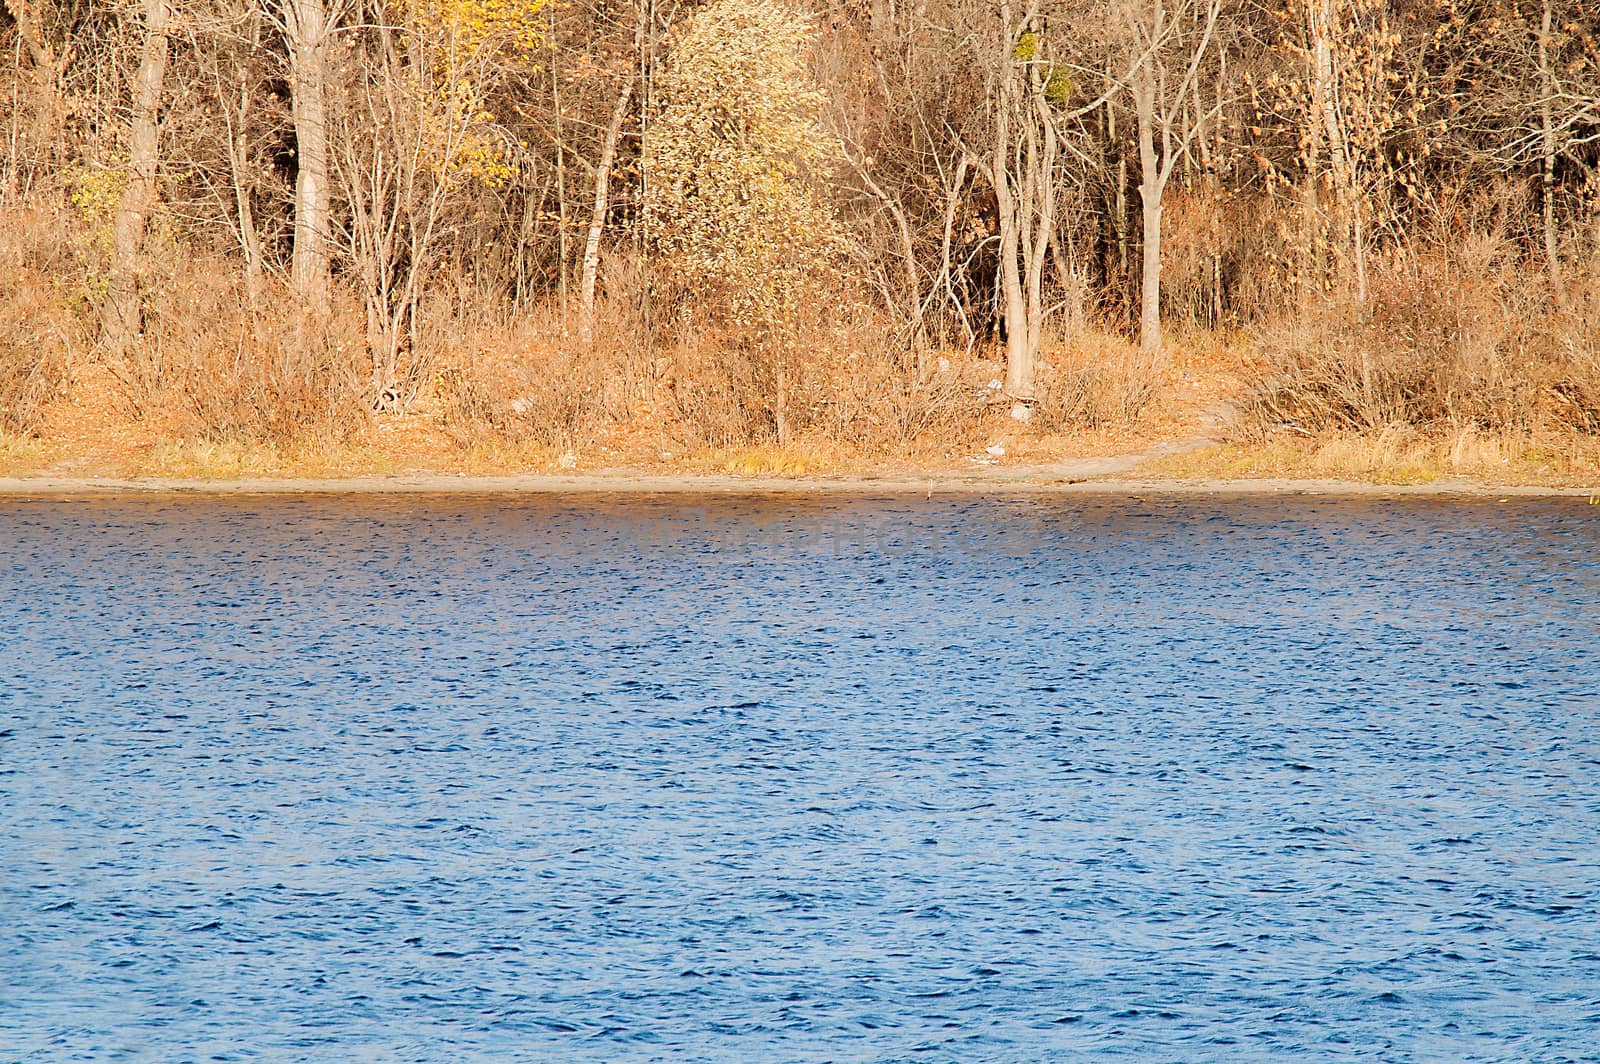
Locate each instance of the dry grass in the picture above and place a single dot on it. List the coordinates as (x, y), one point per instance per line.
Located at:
(230, 379)
(512, 383)
(1459, 344)
(494, 456)
(1096, 380)
(39, 334)
(214, 362)
(21, 455)
(876, 405)
(206, 459)
(202, 459)
(715, 396)
(1398, 457)
(762, 461)
(216, 365)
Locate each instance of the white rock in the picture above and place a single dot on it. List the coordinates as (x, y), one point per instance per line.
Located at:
(1021, 412)
(998, 450)
(568, 461)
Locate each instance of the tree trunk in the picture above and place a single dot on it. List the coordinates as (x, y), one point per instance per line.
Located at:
(120, 317)
(1150, 188)
(1325, 100)
(1547, 141)
(1119, 266)
(307, 24)
(780, 405)
(240, 116)
(597, 220)
(1012, 179)
(1594, 242)
(1042, 150)
(561, 164)
(953, 191)
(1013, 303)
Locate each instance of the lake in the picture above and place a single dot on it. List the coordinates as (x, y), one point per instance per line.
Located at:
(774, 778)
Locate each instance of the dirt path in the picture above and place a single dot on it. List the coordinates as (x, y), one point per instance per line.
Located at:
(1089, 476)
(1109, 474)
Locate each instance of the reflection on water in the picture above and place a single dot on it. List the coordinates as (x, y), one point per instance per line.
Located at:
(605, 778)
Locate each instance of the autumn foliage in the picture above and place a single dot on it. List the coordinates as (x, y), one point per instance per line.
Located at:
(738, 222)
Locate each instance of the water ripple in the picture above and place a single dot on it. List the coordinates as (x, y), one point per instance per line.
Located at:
(799, 779)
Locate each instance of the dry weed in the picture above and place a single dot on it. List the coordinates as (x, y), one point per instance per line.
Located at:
(1457, 342)
(522, 380)
(215, 367)
(38, 331)
(883, 406)
(764, 461)
(1095, 380)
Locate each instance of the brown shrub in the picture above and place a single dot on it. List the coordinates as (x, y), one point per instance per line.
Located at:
(719, 395)
(1569, 356)
(1458, 341)
(38, 331)
(883, 405)
(1096, 379)
(34, 367)
(520, 379)
(1224, 255)
(218, 365)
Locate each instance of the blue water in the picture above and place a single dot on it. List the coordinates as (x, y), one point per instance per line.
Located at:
(771, 779)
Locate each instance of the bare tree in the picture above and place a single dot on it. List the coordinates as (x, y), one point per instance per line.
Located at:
(413, 140)
(1537, 106)
(602, 187)
(307, 25)
(1013, 140)
(120, 315)
(1021, 166)
(1171, 41)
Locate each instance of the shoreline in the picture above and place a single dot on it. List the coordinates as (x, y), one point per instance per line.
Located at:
(624, 483)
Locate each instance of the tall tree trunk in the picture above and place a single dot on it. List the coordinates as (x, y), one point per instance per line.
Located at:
(120, 317)
(1013, 303)
(1150, 189)
(1013, 192)
(307, 25)
(561, 164)
(780, 405)
(240, 115)
(1042, 151)
(1323, 19)
(1594, 237)
(953, 192)
(1118, 266)
(597, 220)
(1547, 143)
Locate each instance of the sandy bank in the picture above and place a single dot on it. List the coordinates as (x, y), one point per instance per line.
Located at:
(932, 483)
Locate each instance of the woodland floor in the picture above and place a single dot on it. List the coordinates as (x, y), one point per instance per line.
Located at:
(1182, 443)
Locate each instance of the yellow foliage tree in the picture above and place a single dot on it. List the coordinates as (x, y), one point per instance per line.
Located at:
(732, 199)
(460, 47)
(416, 138)
(509, 27)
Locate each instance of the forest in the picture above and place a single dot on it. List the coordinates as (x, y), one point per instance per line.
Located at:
(785, 234)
